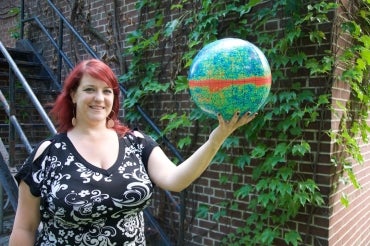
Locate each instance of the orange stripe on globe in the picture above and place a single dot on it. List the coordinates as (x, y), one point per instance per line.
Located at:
(229, 75)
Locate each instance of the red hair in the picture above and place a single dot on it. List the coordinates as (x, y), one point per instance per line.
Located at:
(63, 109)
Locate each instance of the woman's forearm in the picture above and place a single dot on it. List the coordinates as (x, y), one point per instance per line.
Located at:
(197, 163)
(20, 237)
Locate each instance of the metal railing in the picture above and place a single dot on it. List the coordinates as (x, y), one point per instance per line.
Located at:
(6, 177)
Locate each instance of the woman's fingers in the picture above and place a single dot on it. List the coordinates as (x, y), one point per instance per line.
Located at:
(225, 128)
(246, 118)
(237, 120)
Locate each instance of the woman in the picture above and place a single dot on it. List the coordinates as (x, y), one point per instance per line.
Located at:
(89, 184)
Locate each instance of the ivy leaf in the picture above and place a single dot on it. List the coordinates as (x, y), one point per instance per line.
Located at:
(353, 178)
(299, 58)
(262, 185)
(216, 216)
(281, 149)
(303, 198)
(285, 173)
(296, 131)
(259, 151)
(365, 40)
(202, 211)
(292, 237)
(230, 142)
(344, 200)
(184, 142)
(243, 192)
(176, 6)
(181, 84)
(365, 54)
(301, 149)
(266, 198)
(221, 157)
(223, 179)
(174, 122)
(268, 236)
(317, 36)
(285, 189)
(323, 99)
(243, 160)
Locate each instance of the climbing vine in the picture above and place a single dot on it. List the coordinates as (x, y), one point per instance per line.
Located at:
(278, 188)
(354, 127)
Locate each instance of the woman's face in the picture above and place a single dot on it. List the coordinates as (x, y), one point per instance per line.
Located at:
(93, 99)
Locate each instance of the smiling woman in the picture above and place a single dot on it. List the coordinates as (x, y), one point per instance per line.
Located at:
(93, 71)
(89, 184)
(93, 101)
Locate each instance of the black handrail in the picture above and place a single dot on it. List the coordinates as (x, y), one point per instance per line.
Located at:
(8, 183)
(6, 178)
(13, 66)
(13, 120)
(46, 32)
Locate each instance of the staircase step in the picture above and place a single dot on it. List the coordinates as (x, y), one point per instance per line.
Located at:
(26, 67)
(22, 63)
(18, 54)
(40, 90)
(5, 75)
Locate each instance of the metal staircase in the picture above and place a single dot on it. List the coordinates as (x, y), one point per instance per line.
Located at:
(23, 121)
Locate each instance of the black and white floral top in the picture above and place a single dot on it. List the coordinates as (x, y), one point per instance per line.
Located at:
(82, 204)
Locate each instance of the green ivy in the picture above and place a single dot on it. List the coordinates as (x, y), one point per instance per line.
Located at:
(354, 127)
(278, 191)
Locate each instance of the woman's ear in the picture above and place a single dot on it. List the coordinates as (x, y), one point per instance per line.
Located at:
(72, 95)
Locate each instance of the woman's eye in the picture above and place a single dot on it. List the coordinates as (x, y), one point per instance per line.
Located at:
(89, 89)
(108, 91)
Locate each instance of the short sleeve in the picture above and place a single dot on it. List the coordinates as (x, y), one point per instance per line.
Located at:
(145, 143)
(32, 171)
(149, 144)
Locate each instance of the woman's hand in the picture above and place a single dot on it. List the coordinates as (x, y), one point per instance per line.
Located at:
(225, 128)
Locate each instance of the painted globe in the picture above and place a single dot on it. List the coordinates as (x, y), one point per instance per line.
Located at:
(229, 75)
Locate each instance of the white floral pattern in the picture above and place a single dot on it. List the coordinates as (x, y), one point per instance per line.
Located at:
(85, 205)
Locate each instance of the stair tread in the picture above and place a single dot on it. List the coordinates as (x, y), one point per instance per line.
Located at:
(19, 53)
(27, 76)
(21, 62)
(15, 50)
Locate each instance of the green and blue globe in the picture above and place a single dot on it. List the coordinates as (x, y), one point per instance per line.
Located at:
(229, 75)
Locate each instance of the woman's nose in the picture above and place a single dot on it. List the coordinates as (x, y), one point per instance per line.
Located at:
(99, 96)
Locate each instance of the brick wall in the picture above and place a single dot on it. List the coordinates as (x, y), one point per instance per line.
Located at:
(332, 224)
(348, 225)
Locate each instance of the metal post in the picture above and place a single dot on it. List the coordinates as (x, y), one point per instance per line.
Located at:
(60, 61)
(12, 112)
(21, 20)
(1, 210)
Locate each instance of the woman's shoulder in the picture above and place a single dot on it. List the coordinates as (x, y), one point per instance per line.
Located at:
(44, 145)
(41, 148)
(138, 137)
(138, 134)
(134, 135)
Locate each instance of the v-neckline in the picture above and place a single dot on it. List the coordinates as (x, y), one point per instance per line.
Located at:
(91, 166)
